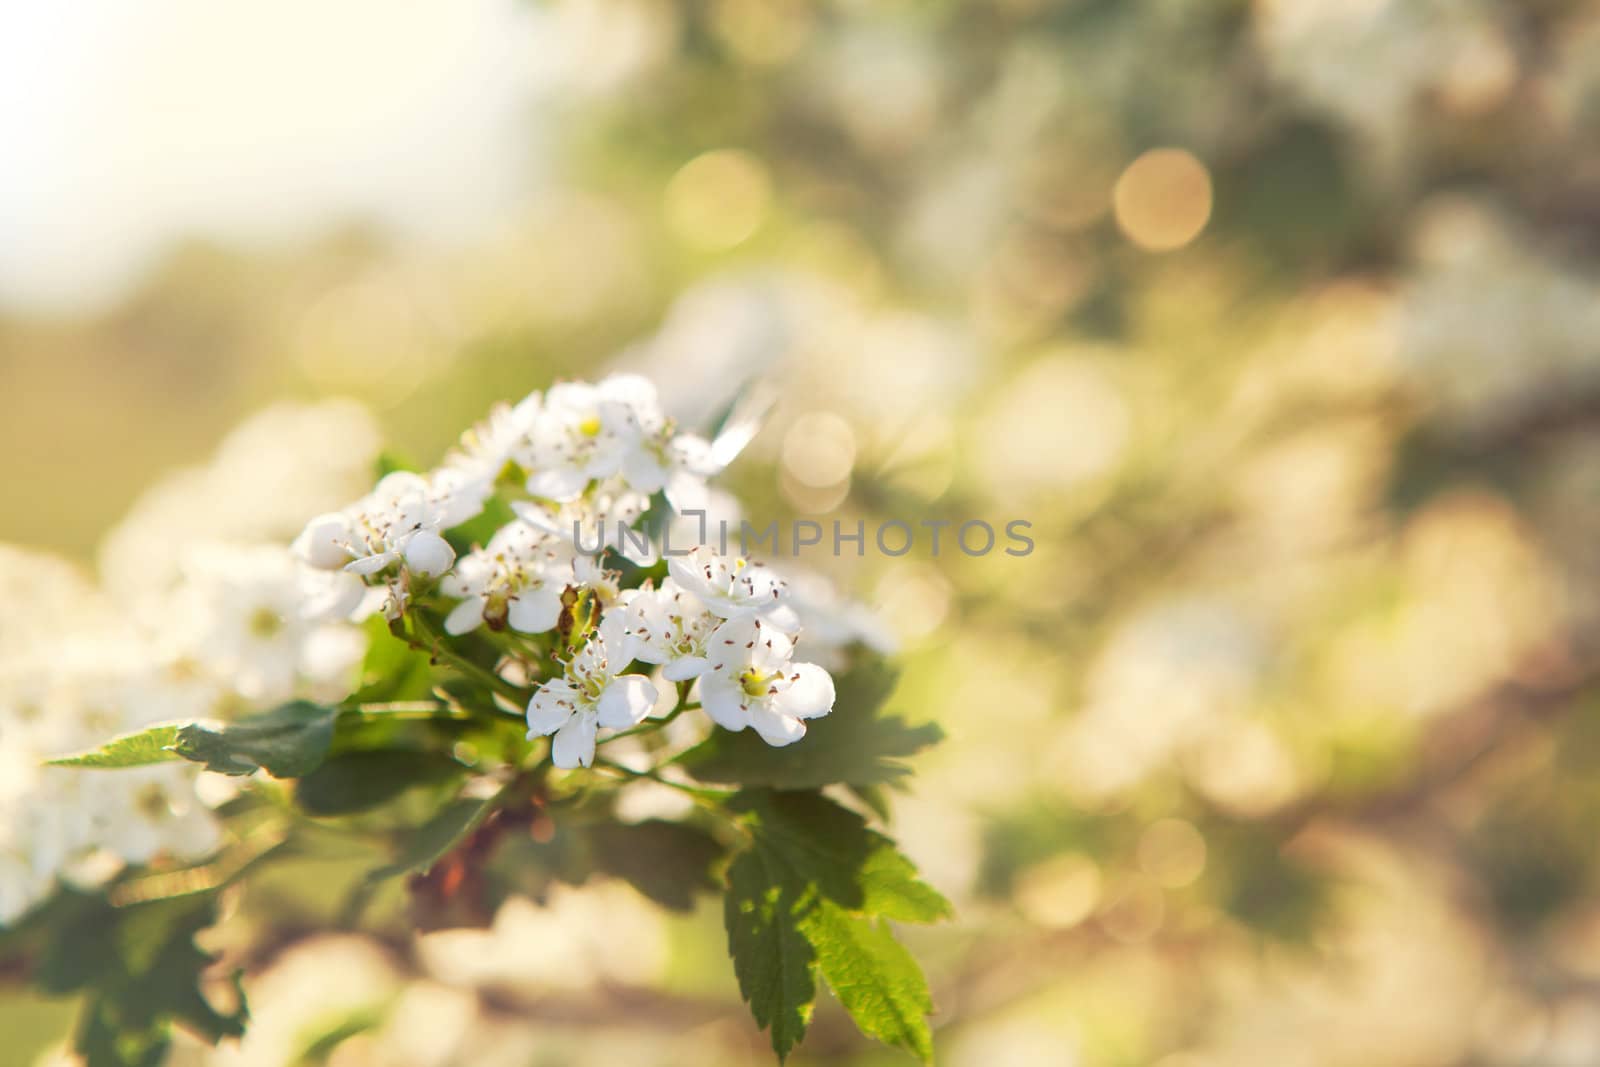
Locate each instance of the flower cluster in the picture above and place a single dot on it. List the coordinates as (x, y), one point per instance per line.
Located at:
(234, 633)
(491, 550)
(579, 467)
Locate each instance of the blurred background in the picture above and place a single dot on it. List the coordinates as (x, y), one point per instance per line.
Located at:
(1279, 320)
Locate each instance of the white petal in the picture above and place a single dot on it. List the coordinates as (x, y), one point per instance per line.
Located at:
(465, 616)
(550, 707)
(574, 743)
(626, 701)
(808, 696)
(686, 491)
(687, 572)
(724, 701)
(535, 611)
(561, 484)
(686, 668)
(370, 564)
(782, 616)
(429, 554)
(643, 471)
(775, 728)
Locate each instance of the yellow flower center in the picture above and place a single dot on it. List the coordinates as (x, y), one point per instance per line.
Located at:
(755, 683)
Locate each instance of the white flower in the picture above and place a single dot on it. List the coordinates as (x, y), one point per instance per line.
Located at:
(467, 477)
(753, 681)
(398, 522)
(675, 463)
(140, 813)
(590, 694)
(516, 580)
(585, 431)
(258, 622)
(595, 521)
(668, 626)
(734, 588)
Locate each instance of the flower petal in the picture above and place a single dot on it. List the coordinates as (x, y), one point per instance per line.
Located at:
(626, 701)
(465, 616)
(535, 611)
(574, 743)
(370, 564)
(561, 484)
(724, 701)
(551, 707)
(682, 670)
(809, 696)
(776, 728)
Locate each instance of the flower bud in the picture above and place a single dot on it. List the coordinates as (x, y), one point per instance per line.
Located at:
(324, 543)
(428, 554)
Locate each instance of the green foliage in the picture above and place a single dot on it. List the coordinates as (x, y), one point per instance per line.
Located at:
(154, 745)
(856, 745)
(666, 861)
(801, 900)
(137, 969)
(434, 839)
(874, 977)
(290, 741)
(360, 780)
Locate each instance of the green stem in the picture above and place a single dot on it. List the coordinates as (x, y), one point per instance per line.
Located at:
(710, 796)
(650, 725)
(438, 649)
(407, 709)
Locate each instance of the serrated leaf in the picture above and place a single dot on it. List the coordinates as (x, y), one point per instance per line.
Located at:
(666, 861)
(874, 977)
(812, 866)
(772, 960)
(153, 745)
(856, 744)
(290, 741)
(360, 780)
(834, 849)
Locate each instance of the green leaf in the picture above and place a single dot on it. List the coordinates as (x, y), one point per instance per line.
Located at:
(772, 960)
(666, 861)
(140, 967)
(153, 745)
(854, 745)
(797, 902)
(289, 741)
(103, 1042)
(392, 669)
(834, 849)
(436, 838)
(874, 977)
(360, 780)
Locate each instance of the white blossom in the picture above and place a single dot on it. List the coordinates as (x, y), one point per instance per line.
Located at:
(588, 695)
(399, 522)
(466, 479)
(584, 433)
(669, 627)
(752, 680)
(732, 587)
(516, 579)
(596, 520)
